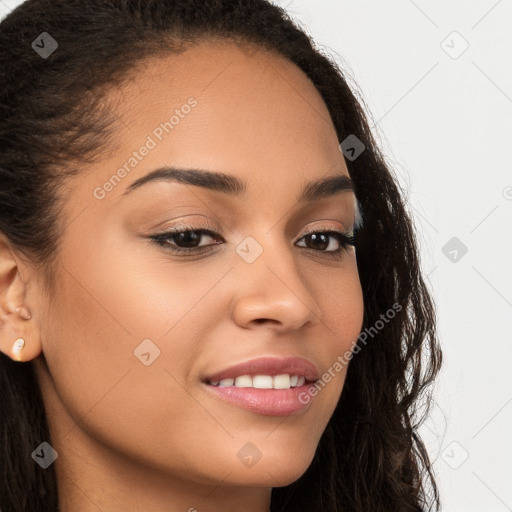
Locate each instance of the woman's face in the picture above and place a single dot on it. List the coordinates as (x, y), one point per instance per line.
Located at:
(134, 330)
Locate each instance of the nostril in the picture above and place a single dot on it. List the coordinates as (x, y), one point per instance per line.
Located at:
(263, 320)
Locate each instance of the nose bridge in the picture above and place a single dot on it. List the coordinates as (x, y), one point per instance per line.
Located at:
(271, 286)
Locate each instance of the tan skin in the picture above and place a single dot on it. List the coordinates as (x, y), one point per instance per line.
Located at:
(135, 437)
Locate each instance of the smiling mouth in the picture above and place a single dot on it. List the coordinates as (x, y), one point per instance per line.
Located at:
(270, 395)
(260, 381)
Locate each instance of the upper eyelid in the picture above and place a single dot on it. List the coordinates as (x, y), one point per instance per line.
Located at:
(328, 229)
(215, 226)
(214, 232)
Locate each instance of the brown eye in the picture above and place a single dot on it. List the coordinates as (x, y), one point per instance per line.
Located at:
(321, 241)
(185, 241)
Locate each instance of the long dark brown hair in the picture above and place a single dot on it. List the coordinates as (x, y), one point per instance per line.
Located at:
(54, 116)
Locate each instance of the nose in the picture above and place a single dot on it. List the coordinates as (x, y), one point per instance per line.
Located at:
(273, 292)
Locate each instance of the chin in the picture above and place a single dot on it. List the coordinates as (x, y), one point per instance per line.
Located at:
(277, 470)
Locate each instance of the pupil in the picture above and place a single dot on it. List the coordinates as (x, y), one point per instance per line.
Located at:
(316, 237)
(189, 238)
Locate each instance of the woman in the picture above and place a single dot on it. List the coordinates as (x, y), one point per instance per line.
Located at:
(211, 296)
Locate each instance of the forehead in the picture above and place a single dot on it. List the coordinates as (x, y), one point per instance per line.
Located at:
(244, 100)
(219, 107)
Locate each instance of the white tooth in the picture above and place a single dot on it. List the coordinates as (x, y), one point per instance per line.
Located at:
(262, 382)
(226, 382)
(244, 381)
(293, 380)
(282, 381)
(301, 381)
(214, 382)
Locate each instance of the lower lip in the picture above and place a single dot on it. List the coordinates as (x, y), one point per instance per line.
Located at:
(270, 402)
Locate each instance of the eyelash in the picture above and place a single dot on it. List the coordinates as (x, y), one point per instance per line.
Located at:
(162, 240)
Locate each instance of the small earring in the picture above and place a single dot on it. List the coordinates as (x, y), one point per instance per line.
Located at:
(17, 347)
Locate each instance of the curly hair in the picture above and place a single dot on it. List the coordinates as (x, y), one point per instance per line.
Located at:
(54, 116)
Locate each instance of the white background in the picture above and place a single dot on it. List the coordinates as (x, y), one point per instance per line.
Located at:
(443, 119)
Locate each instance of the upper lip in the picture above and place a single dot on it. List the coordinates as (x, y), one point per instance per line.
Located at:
(269, 366)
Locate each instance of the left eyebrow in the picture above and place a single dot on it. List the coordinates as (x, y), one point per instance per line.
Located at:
(325, 187)
(234, 186)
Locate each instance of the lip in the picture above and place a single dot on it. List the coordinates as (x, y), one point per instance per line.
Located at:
(268, 366)
(269, 402)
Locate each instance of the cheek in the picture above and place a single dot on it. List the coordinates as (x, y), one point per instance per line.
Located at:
(142, 411)
(118, 313)
(342, 303)
(109, 307)
(338, 292)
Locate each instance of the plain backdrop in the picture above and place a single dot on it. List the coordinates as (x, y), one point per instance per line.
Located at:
(436, 78)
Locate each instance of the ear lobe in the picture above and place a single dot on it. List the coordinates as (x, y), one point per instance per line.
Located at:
(16, 320)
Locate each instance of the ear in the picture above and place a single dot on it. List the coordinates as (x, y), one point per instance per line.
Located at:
(17, 318)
